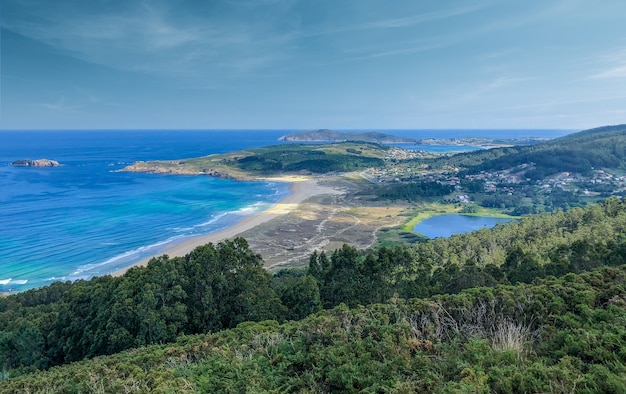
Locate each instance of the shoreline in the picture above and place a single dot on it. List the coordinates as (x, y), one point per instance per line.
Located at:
(302, 188)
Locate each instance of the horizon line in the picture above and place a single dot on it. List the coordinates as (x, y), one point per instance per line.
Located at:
(292, 128)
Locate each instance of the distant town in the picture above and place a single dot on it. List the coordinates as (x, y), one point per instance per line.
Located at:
(402, 166)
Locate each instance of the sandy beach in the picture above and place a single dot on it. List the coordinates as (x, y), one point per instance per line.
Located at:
(302, 188)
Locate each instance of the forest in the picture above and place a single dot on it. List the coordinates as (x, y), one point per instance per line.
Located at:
(537, 305)
(279, 159)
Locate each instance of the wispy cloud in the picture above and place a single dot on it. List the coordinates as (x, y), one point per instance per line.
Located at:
(76, 98)
(612, 64)
(406, 48)
(501, 82)
(617, 72)
(489, 88)
(152, 37)
(496, 55)
(61, 105)
(394, 23)
(386, 23)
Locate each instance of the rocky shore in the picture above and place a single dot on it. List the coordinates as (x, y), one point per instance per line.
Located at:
(176, 167)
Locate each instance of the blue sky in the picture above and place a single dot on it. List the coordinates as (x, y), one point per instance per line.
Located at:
(343, 64)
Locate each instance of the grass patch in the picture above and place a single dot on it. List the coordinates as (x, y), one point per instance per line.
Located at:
(426, 211)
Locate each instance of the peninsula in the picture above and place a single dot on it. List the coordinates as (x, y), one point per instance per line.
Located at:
(278, 160)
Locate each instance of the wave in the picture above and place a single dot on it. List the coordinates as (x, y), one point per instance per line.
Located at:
(13, 282)
(136, 254)
(137, 251)
(213, 220)
(197, 229)
(249, 208)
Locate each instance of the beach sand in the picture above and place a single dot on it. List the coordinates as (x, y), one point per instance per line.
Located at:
(302, 188)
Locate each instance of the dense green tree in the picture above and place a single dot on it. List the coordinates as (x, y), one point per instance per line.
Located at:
(299, 294)
(219, 286)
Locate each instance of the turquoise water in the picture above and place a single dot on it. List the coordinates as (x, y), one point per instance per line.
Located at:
(84, 218)
(446, 225)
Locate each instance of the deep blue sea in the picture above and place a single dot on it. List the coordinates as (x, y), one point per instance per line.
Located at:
(84, 219)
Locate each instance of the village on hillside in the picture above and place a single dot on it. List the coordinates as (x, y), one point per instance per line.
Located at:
(402, 167)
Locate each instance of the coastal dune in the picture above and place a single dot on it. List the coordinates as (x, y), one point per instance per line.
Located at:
(302, 188)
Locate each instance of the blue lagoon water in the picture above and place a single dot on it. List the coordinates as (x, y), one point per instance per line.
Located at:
(444, 226)
(84, 218)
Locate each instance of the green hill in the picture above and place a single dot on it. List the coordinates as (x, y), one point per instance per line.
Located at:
(601, 148)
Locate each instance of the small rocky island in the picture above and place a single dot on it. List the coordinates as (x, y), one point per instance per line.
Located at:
(35, 163)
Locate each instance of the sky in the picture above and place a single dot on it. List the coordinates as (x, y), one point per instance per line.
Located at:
(305, 64)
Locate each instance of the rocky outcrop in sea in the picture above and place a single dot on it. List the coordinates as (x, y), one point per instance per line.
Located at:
(35, 163)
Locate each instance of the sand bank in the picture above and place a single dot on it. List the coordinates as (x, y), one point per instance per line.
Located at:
(302, 188)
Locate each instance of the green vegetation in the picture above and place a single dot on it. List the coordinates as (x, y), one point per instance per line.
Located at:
(516, 333)
(212, 288)
(311, 159)
(276, 160)
(413, 191)
(555, 335)
(604, 147)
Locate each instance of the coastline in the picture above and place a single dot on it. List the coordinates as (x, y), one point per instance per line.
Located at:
(302, 188)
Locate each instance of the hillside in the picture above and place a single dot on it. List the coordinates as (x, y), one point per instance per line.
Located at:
(582, 152)
(557, 335)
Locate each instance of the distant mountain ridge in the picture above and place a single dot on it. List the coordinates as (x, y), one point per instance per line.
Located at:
(325, 135)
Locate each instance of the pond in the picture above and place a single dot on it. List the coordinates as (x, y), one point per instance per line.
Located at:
(447, 225)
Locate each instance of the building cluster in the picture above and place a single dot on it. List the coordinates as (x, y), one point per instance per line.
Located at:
(505, 181)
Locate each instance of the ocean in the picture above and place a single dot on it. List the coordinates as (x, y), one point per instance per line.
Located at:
(85, 219)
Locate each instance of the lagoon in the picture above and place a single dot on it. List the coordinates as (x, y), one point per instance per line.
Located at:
(447, 225)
